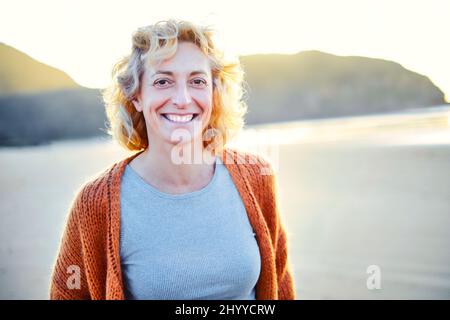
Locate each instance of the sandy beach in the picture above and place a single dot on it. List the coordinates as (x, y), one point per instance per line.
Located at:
(373, 195)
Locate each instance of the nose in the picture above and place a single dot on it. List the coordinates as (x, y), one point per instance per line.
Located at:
(181, 96)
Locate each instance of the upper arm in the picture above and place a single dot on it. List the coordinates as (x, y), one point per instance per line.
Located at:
(68, 280)
(270, 207)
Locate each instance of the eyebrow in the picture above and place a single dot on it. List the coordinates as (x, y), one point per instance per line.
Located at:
(170, 73)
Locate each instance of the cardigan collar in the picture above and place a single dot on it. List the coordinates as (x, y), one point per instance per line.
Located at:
(266, 287)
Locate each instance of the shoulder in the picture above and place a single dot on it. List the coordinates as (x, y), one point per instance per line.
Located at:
(254, 163)
(259, 172)
(93, 197)
(88, 198)
(95, 184)
(254, 167)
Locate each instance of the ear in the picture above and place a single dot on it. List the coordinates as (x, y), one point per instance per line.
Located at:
(137, 105)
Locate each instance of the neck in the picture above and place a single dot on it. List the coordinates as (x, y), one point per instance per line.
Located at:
(177, 165)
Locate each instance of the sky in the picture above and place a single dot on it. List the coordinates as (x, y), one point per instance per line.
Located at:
(85, 37)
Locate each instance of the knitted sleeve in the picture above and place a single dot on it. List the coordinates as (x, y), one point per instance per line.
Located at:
(68, 280)
(285, 279)
(286, 285)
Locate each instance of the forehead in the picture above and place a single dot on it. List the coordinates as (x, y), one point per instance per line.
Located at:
(188, 58)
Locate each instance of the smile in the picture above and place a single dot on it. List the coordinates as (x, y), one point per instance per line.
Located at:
(179, 118)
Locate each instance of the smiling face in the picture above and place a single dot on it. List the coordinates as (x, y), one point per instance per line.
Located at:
(176, 94)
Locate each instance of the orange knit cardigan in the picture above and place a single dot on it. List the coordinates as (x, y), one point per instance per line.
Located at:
(90, 240)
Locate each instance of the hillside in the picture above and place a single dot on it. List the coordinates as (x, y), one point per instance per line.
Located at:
(314, 84)
(19, 73)
(36, 118)
(39, 103)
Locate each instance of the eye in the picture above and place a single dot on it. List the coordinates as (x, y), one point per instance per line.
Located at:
(199, 82)
(161, 82)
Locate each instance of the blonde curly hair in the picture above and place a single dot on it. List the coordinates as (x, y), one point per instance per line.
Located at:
(158, 42)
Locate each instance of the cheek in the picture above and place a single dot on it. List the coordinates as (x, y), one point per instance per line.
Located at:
(206, 101)
(151, 113)
(155, 104)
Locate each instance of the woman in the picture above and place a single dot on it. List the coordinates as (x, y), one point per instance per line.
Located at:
(184, 217)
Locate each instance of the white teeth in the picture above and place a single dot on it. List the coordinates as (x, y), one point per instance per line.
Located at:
(176, 118)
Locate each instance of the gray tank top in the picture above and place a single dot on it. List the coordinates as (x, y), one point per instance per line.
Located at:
(197, 245)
